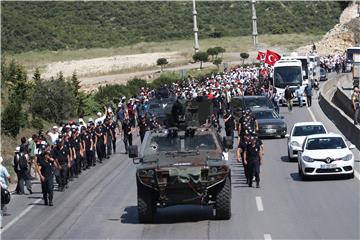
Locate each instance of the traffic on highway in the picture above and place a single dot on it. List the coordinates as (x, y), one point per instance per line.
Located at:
(243, 154)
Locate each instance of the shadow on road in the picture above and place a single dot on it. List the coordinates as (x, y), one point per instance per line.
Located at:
(287, 160)
(170, 215)
(296, 177)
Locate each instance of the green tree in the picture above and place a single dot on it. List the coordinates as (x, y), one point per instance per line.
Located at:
(162, 62)
(201, 57)
(212, 52)
(37, 76)
(217, 62)
(12, 119)
(220, 50)
(244, 56)
(53, 100)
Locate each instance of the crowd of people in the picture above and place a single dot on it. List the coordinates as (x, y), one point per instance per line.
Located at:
(64, 152)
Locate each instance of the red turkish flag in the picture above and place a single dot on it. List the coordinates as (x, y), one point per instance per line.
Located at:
(261, 56)
(271, 57)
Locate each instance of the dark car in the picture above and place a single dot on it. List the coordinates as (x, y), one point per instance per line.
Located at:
(183, 164)
(238, 104)
(323, 74)
(270, 123)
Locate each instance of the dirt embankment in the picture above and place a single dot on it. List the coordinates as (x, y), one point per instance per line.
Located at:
(345, 34)
(100, 66)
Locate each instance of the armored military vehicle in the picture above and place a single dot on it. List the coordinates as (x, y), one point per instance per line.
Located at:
(183, 164)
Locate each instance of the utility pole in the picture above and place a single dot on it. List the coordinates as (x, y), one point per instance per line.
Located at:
(254, 24)
(196, 40)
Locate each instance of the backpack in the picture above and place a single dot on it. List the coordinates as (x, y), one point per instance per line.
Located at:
(23, 163)
(5, 196)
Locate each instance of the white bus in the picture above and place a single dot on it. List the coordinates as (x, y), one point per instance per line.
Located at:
(289, 73)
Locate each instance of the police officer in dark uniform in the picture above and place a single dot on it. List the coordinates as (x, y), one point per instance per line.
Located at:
(77, 148)
(113, 127)
(69, 148)
(45, 169)
(62, 155)
(242, 146)
(143, 127)
(127, 134)
(100, 140)
(229, 124)
(252, 158)
(109, 137)
(94, 141)
(89, 145)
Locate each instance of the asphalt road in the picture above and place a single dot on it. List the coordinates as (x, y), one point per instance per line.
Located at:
(102, 203)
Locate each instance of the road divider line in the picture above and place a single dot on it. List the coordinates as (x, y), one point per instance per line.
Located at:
(259, 204)
(25, 211)
(267, 236)
(312, 115)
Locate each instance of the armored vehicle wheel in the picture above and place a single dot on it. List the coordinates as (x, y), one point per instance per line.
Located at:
(223, 202)
(146, 205)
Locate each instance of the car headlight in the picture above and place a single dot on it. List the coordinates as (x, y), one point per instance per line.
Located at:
(347, 157)
(295, 144)
(307, 159)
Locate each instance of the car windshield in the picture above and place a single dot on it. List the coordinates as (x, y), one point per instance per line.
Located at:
(290, 75)
(173, 144)
(325, 143)
(266, 115)
(308, 130)
(257, 102)
(322, 71)
(200, 142)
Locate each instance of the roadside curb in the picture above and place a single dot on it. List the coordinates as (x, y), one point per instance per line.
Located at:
(329, 93)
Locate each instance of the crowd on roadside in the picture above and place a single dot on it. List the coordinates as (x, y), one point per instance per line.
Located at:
(336, 63)
(67, 150)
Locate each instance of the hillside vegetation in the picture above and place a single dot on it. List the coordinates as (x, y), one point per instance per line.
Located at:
(29, 26)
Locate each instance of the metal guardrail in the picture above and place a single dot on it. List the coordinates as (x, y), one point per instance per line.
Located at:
(331, 94)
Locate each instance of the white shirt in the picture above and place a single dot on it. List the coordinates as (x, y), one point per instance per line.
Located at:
(54, 136)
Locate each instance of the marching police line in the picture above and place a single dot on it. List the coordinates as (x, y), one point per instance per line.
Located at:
(74, 149)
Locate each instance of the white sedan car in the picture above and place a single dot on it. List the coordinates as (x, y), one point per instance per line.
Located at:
(325, 154)
(298, 134)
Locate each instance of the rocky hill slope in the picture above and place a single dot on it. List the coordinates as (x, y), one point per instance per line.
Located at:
(343, 35)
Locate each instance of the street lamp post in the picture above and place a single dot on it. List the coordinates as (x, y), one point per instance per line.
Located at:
(254, 24)
(196, 40)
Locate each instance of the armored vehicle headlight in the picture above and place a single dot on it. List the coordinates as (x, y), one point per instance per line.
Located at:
(213, 170)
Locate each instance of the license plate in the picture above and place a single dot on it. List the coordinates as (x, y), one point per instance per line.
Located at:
(270, 130)
(327, 166)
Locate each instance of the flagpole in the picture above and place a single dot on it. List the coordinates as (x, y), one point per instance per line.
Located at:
(196, 40)
(254, 24)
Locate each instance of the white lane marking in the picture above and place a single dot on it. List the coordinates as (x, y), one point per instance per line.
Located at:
(356, 174)
(259, 204)
(267, 236)
(312, 115)
(12, 222)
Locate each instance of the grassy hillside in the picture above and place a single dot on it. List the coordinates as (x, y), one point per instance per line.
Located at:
(29, 26)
